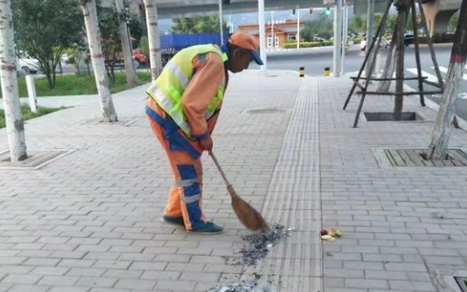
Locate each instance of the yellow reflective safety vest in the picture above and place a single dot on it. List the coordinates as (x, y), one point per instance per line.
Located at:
(167, 90)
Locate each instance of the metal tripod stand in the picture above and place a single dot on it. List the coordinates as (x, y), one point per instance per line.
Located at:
(404, 7)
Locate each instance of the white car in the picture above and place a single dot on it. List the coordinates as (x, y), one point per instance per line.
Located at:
(384, 43)
(27, 64)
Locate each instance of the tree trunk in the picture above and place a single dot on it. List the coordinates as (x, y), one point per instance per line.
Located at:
(388, 72)
(153, 38)
(11, 103)
(95, 49)
(402, 8)
(49, 78)
(131, 78)
(442, 132)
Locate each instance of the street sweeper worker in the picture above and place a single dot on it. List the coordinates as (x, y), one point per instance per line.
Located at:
(183, 107)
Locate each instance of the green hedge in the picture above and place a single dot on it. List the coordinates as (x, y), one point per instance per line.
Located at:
(308, 44)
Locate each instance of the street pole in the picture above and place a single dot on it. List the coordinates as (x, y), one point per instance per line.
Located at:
(344, 37)
(273, 39)
(221, 22)
(298, 28)
(337, 39)
(369, 33)
(262, 40)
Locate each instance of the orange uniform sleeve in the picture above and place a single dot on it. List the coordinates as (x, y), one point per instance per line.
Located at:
(209, 74)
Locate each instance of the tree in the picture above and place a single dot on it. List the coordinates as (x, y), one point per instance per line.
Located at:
(402, 11)
(130, 70)
(357, 24)
(442, 132)
(13, 118)
(197, 24)
(155, 57)
(78, 54)
(109, 25)
(453, 22)
(93, 34)
(45, 28)
(322, 26)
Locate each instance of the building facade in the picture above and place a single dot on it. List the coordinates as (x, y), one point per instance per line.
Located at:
(277, 33)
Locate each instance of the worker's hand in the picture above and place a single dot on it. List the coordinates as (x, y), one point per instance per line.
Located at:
(206, 143)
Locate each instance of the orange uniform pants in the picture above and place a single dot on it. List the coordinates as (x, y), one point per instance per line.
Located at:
(185, 198)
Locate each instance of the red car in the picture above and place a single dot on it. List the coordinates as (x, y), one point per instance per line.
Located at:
(139, 58)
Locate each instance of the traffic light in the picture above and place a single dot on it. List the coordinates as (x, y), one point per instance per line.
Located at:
(328, 10)
(293, 11)
(311, 10)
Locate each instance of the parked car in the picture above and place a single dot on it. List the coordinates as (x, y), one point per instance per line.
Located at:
(318, 39)
(408, 40)
(26, 64)
(138, 59)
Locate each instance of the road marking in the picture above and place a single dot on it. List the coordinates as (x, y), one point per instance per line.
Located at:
(431, 77)
(445, 70)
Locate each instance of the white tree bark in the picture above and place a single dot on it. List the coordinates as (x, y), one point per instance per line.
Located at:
(154, 38)
(11, 103)
(438, 148)
(94, 40)
(389, 67)
(131, 77)
(402, 8)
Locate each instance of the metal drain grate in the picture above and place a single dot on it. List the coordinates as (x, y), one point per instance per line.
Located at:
(122, 121)
(462, 282)
(384, 117)
(35, 160)
(416, 158)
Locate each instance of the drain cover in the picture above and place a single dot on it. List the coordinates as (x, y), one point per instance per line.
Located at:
(462, 282)
(416, 158)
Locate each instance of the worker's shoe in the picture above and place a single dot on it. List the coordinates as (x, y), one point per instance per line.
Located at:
(177, 221)
(209, 228)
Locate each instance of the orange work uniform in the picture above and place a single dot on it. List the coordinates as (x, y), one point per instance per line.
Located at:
(183, 153)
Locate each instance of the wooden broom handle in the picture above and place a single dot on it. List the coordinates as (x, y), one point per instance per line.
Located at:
(219, 168)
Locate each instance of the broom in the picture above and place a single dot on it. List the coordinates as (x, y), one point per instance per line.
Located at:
(251, 218)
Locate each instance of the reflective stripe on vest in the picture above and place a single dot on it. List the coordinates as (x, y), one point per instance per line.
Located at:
(168, 89)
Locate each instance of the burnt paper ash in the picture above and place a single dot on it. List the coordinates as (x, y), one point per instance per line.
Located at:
(259, 244)
(242, 286)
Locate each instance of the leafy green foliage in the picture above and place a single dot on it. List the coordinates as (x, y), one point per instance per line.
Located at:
(45, 28)
(197, 24)
(322, 27)
(109, 25)
(144, 46)
(359, 24)
(452, 25)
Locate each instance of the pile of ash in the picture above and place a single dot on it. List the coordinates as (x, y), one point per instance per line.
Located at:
(258, 245)
(242, 286)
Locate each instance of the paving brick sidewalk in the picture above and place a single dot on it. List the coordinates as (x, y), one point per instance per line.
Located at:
(90, 221)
